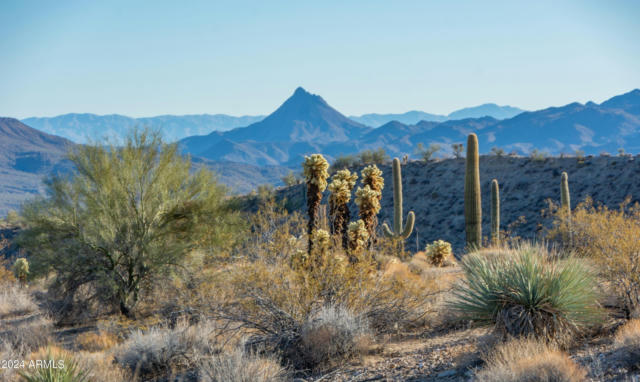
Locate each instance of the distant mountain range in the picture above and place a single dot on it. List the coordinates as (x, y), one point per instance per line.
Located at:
(266, 148)
(81, 128)
(413, 117)
(305, 123)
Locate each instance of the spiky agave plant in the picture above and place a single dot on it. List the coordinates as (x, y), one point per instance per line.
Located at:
(525, 293)
(340, 187)
(315, 173)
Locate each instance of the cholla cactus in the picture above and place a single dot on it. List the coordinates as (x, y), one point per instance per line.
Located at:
(340, 187)
(358, 236)
(368, 202)
(315, 172)
(439, 253)
(21, 269)
(372, 177)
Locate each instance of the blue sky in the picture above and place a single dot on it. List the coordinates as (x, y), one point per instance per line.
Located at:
(144, 58)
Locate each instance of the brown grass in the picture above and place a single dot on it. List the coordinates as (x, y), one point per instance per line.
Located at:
(15, 300)
(529, 361)
(96, 342)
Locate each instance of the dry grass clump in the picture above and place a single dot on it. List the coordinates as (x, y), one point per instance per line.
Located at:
(239, 366)
(96, 342)
(627, 344)
(26, 334)
(166, 351)
(15, 300)
(610, 238)
(333, 335)
(528, 360)
(526, 293)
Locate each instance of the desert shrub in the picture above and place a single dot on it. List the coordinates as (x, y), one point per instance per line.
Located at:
(61, 367)
(609, 238)
(439, 253)
(627, 344)
(126, 216)
(525, 293)
(15, 300)
(240, 366)
(332, 335)
(528, 360)
(27, 334)
(163, 351)
(96, 342)
(21, 269)
(426, 153)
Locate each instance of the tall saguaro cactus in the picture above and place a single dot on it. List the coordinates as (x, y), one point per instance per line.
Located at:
(399, 233)
(472, 198)
(495, 212)
(565, 197)
(315, 172)
(565, 203)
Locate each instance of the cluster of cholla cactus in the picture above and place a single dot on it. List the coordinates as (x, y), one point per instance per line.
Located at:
(368, 199)
(315, 173)
(472, 199)
(357, 236)
(341, 185)
(439, 253)
(495, 213)
(21, 269)
(400, 232)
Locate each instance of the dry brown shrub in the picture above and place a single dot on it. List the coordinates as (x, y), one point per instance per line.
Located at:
(15, 300)
(529, 360)
(627, 344)
(96, 342)
(610, 239)
(239, 366)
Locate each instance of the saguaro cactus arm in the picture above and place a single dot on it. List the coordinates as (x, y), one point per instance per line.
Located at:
(400, 231)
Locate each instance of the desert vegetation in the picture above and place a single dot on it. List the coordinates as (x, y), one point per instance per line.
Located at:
(136, 268)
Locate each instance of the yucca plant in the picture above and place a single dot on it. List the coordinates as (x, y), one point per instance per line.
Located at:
(523, 293)
(61, 367)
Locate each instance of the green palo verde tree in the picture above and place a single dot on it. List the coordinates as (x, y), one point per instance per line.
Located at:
(472, 198)
(399, 233)
(126, 217)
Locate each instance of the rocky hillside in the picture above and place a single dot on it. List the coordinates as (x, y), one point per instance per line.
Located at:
(435, 191)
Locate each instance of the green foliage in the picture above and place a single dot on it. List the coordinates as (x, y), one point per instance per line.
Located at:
(524, 293)
(472, 197)
(457, 149)
(427, 153)
(495, 212)
(290, 179)
(64, 369)
(126, 217)
(538, 155)
(497, 151)
(366, 157)
(21, 269)
(399, 232)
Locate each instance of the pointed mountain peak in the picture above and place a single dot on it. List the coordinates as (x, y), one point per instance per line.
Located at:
(300, 91)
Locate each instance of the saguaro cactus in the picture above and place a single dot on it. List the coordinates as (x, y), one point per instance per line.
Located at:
(399, 233)
(565, 197)
(565, 203)
(372, 178)
(315, 172)
(472, 198)
(495, 212)
(341, 185)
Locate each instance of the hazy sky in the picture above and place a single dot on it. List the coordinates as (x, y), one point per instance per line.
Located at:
(144, 58)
